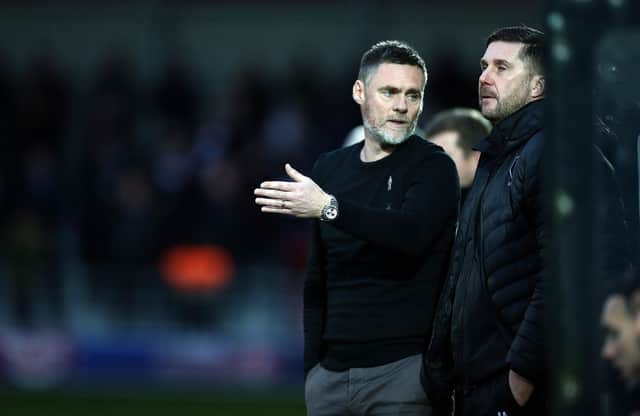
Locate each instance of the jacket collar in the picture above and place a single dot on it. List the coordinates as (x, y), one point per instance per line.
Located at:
(514, 130)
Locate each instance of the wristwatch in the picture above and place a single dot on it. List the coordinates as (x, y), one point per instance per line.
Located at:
(330, 211)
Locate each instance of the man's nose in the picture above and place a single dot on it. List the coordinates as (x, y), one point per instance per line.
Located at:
(400, 104)
(485, 77)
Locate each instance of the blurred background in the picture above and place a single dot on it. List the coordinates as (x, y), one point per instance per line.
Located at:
(136, 274)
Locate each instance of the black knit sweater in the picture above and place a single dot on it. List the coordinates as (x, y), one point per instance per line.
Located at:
(375, 273)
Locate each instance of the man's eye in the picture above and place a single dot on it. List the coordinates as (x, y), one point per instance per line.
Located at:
(413, 97)
(386, 93)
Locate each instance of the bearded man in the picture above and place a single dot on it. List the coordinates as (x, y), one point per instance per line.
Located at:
(487, 347)
(384, 212)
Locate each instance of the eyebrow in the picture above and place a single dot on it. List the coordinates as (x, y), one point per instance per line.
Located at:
(496, 62)
(396, 89)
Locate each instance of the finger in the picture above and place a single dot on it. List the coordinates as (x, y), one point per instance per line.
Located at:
(294, 174)
(280, 185)
(274, 210)
(270, 193)
(269, 202)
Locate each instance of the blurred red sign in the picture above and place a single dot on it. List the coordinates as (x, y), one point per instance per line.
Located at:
(203, 268)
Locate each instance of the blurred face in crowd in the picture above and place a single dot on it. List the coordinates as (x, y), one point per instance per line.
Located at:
(622, 345)
(507, 82)
(466, 162)
(390, 102)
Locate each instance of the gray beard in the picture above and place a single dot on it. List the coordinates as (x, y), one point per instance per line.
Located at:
(383, 138)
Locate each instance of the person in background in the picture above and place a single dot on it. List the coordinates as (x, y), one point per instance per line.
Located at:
(457, 131)
(621, 321)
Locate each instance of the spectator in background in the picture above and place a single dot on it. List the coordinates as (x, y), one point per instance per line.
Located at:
(621, 319)
(457, 131)
(384, 212)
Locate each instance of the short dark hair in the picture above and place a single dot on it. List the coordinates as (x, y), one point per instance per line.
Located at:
(533, 40)
(470, 125)
(391, 52)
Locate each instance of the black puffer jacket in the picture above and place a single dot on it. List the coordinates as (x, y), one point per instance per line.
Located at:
(491, 315)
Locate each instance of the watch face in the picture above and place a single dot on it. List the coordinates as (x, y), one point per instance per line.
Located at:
(331, 213)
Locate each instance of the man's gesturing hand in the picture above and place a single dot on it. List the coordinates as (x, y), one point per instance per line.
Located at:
(300, 198)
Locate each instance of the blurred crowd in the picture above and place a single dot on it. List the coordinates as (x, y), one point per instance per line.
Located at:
(114, 171)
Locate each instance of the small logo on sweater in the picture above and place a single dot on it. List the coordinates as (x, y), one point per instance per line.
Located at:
(389, 183)
(502, 413)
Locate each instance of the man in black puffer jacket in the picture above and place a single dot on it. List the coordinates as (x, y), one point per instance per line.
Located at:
(487, 342)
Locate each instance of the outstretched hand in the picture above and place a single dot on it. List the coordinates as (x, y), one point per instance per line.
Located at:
(300, 198)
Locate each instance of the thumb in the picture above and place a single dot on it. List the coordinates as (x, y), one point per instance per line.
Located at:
(294, 174)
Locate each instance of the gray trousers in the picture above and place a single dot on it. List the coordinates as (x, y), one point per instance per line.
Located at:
(390, 389)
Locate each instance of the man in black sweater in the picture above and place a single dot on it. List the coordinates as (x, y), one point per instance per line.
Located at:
(384, 215)
(487, 342)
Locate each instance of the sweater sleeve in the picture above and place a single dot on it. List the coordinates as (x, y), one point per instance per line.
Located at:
(314, 303)
(429, 203)
(314, 295)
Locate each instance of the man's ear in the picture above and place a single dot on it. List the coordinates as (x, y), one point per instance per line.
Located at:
(358, 92)
(537, 87)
